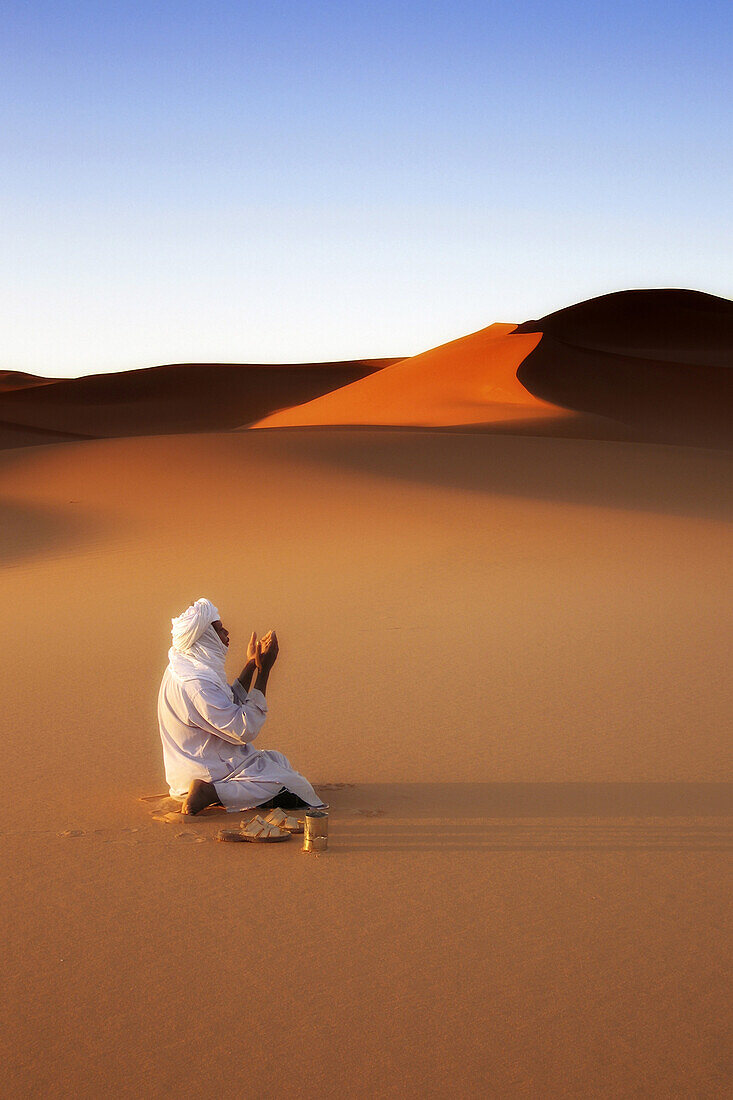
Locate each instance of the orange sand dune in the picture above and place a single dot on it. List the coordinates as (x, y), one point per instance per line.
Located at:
(471, 380)
(651, 365)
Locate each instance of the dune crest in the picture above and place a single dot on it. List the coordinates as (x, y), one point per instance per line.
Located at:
(20, 380)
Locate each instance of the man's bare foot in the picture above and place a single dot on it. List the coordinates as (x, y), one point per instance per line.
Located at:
(200, 795)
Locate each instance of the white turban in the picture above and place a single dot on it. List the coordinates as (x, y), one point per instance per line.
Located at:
(189, 626)
(198, 652)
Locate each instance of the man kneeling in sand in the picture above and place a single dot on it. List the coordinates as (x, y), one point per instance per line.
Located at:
(206, 724)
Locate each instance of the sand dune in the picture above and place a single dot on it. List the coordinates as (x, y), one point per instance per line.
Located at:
(683, 326)
(506, 679)
(659, 361)
(184, 397)
(19, 380)
(641, 365)
(465, 382)
(649, 366)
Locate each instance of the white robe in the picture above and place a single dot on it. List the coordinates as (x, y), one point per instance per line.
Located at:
(206, 734)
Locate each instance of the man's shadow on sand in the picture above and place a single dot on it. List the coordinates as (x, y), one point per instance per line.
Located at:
(445, 817)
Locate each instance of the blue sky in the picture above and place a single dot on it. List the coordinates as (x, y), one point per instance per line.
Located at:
(295, 181)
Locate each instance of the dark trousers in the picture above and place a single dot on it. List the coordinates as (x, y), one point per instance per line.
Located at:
(283, 800)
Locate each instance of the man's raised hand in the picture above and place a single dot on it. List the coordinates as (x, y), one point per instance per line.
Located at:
(268, 650)
(252, 647)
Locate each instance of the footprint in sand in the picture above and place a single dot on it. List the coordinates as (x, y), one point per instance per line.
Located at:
(71, 832)
(161, 803)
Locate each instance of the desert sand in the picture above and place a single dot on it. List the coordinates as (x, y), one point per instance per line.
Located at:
(505, 665)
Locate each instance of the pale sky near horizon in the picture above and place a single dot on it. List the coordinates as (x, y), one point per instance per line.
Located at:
(303, 181)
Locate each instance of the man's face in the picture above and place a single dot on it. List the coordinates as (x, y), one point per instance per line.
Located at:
(222, 631)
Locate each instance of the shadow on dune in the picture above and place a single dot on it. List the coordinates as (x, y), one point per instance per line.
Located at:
(17, 434)
(32, 531)
(660, 402)
(659, 361)
(661, 479)
(676, 326)
(532, 816)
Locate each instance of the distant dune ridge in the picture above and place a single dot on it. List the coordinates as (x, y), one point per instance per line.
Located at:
(18, 380)
(183, 397)
(641, 365)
